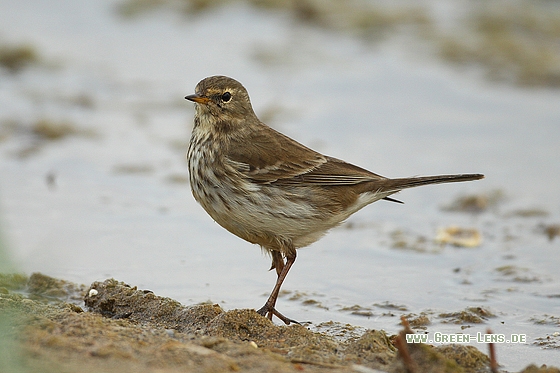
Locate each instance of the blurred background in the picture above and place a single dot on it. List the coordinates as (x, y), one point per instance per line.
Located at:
(94, 127)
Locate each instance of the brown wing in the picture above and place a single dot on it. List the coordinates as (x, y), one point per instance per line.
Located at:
(267, 157)
(335, 172)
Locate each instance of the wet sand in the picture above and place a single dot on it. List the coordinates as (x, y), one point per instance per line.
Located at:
(57, 326)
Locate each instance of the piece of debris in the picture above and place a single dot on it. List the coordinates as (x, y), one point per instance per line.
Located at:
(457, 236)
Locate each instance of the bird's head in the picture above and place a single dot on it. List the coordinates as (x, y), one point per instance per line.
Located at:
(223, 98)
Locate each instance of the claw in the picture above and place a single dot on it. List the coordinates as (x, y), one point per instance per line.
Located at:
(268, 311)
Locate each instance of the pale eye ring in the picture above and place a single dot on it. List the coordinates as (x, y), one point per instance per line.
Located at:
(226, 97)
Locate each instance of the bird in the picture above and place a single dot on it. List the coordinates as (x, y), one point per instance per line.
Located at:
(269, 189)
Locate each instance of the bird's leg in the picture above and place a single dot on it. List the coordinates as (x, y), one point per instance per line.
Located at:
(268, 309)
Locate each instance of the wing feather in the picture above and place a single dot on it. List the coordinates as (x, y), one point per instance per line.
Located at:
(269, 157)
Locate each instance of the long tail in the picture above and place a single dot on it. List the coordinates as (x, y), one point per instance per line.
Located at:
(395, 185)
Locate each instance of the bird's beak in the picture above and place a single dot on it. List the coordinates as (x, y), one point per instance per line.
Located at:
(198, 99)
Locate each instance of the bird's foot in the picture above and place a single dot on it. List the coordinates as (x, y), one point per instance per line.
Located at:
(268, 311)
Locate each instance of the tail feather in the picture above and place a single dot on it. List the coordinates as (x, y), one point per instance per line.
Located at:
(395, 185)
(392, 200)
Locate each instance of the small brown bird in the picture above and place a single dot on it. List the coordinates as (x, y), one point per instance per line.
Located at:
(271, 190)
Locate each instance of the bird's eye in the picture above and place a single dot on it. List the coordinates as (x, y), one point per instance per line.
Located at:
(226, 97)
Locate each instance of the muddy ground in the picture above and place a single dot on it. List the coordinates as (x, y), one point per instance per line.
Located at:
(51, 325)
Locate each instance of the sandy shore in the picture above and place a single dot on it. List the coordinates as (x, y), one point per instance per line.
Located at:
(53, 325)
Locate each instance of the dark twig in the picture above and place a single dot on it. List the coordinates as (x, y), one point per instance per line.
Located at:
(400, 343)
(492, 353)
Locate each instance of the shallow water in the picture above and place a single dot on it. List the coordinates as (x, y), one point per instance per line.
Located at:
(110, 201)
